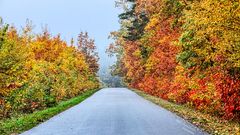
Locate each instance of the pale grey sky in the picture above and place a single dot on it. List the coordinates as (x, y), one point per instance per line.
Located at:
(67, 17)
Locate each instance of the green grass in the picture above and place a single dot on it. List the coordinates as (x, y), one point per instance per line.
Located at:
(211, 124)
(28, 121)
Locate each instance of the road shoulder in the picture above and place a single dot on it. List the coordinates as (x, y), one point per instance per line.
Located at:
(208, 123)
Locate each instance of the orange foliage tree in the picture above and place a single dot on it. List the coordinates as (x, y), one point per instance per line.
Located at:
(185, 51)
(40, 70)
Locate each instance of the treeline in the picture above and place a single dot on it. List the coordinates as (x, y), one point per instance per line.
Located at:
(185, 51)
(110, 81)
(39, 70)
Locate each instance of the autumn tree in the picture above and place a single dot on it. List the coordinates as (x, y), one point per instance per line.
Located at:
(210, 48)
(88, 48)
(40, 70)
(185, 51)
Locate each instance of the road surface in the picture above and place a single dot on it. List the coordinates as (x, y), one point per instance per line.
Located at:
(115, 111)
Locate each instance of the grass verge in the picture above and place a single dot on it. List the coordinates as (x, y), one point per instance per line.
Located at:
(28, 121)
(212, 125)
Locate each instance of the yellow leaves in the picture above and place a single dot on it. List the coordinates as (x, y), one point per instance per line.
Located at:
(216, 31)
(137, 53)
(149, 65)
(152, 23)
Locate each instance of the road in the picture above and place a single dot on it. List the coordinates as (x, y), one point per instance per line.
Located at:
(115, 111)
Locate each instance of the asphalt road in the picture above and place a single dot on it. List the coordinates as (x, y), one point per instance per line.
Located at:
(115, 111)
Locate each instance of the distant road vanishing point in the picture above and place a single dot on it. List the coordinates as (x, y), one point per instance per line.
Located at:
(115, 111)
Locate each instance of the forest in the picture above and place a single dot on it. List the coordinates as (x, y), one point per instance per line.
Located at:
(38, 71)
(184, 51)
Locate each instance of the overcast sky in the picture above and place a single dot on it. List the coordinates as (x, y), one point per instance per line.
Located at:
(67, 17)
